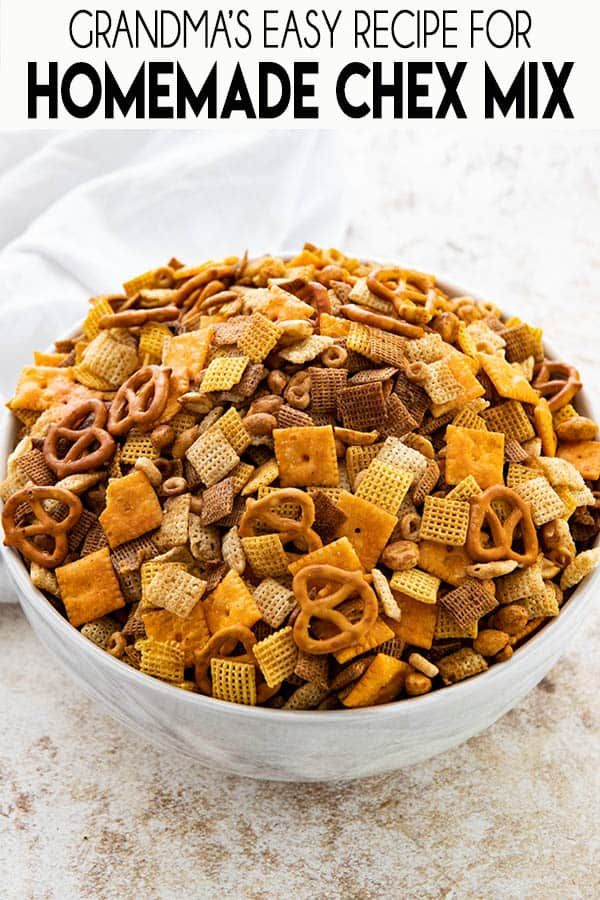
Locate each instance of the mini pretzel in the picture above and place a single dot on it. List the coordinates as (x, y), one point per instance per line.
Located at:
(559, 390)
(21, 536)
(80, 457)
(140, 400)
(287, 529)
(502, 532)
(377, 320)
(219, 647)
(222, 640)
(323, 607)
(130, 318)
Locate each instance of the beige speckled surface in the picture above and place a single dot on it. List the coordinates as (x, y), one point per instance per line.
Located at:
(87, 811)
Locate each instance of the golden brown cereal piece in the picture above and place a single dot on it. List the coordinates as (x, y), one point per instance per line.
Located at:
(367, 527)
(231, 603)
(306, 456)
(162, 659)
(414, 583)
(445, 521)
(511, 419)
(276, 656)
(266, 555)
(384, 485)
(502, 533)
(381, 683)
(584, 455)
(490, 642)
(132, 509)
(259, 337)
(324, 607)
(23, 536)
(99, 630)
(446, 627)
(233, 681)
(221, 645)
(89, 587)
(511, 619)
(175, 590)
(476, 453)
(544, 501)
(468, 602)
(275, 601)
(212, 456)
(582, 565)
(460, 665)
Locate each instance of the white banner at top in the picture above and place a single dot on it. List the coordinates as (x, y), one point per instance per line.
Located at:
(190, 65)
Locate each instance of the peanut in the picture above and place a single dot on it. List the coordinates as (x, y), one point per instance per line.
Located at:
(260, 424)
(162, 436)
(152, 473)
(184, 441)
(504, 654)
(511, 619)
(577, 428)
(276, 381)
(400, 556)
(489, 642)
(416, 683)
(268, 403)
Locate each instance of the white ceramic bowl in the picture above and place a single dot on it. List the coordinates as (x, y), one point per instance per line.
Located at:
(288, 745)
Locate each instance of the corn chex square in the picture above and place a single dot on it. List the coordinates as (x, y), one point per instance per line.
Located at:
(162, 659)
(276, 656)
(446, 626)
(212, 456)
(232, 427)
(275, 601)
(414, 583)
(259, 337)
(511, 419)
(385, 485)
(543, 499)
(266, 555)
(465, 489)
(233, 681)
(222, 373)
(175, 590)
(398, 454)
(445, 521)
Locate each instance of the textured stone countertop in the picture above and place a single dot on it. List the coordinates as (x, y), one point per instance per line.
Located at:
(86, 810)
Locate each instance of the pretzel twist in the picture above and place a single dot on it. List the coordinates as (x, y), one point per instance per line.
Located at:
(288, 529)
(22, 536)
(130, 318)
(79, 457)
(140, 400)
(559, 390)
(221, 646)
(323, 607)
(502, 533)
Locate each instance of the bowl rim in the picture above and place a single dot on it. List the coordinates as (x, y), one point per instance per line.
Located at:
(577, 605)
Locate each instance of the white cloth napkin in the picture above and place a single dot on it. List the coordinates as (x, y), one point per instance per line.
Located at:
(82, 211)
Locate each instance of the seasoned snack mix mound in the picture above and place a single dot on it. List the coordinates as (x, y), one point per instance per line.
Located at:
(312, 483)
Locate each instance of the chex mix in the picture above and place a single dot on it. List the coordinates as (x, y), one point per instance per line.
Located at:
(313, 483)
